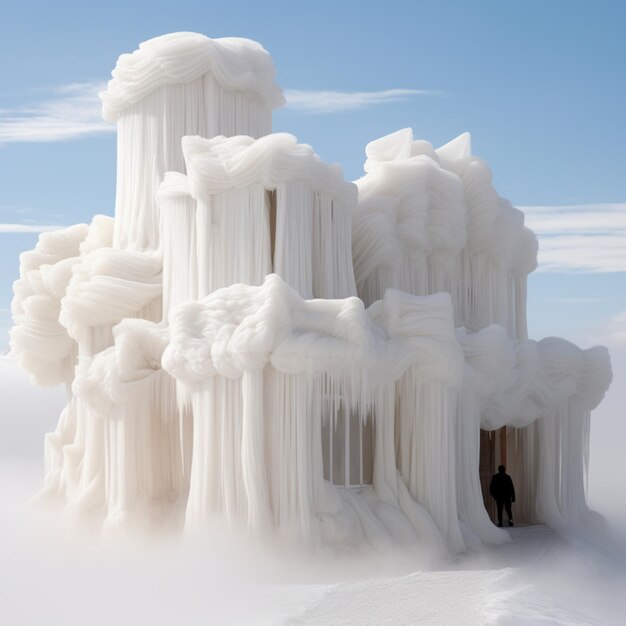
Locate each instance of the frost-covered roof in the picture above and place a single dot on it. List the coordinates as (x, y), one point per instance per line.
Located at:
(236, 63)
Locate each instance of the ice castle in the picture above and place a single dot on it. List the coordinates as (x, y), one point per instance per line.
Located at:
(254, 339)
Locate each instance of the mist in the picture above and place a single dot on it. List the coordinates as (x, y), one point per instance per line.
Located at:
(56, 573)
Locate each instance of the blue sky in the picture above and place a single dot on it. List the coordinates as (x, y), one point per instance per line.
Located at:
(540, 85)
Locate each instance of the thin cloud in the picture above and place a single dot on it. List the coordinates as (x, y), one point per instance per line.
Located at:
(29, 228)
(617, 327)
(341, 101)
(13, 208)
(73, 111)
(68, 112)
(611, 332)
(575, 300)
(587, 238)
(16, 219)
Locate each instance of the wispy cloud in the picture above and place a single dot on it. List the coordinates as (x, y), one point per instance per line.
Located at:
(341, 101)
(73, 111)
(611, 332)
(617, 327)
(575, 300)
(28, 228)
(66, 112)
(17, 219)
(585, 238)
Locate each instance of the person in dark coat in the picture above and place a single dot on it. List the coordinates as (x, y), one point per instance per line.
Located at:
(503, 492)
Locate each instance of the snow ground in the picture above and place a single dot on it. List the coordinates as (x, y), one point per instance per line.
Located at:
(539, 578)
(52, 577)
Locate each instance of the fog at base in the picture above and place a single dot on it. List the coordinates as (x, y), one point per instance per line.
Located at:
(162, 582)
(538, 578)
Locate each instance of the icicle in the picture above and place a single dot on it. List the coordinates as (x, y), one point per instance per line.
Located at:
(252, 452)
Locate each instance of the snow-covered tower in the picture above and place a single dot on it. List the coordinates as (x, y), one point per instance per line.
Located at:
(176, 85)
(430, 220)
(262, 206)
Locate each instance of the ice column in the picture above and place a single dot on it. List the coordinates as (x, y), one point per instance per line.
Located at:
(175, 85)
(263, 206)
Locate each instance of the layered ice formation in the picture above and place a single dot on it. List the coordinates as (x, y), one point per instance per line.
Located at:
(253, 339)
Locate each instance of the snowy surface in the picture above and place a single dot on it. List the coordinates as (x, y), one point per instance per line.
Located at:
(538, 578)
(50, 575)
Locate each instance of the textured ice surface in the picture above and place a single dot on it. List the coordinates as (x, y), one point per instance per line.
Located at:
(256, 340)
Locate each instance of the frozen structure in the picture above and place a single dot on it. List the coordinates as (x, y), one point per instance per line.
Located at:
(254, 339)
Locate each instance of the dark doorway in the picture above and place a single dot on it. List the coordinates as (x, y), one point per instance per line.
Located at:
(487, 467)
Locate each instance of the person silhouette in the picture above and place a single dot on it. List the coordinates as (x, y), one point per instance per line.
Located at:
(502, 491)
